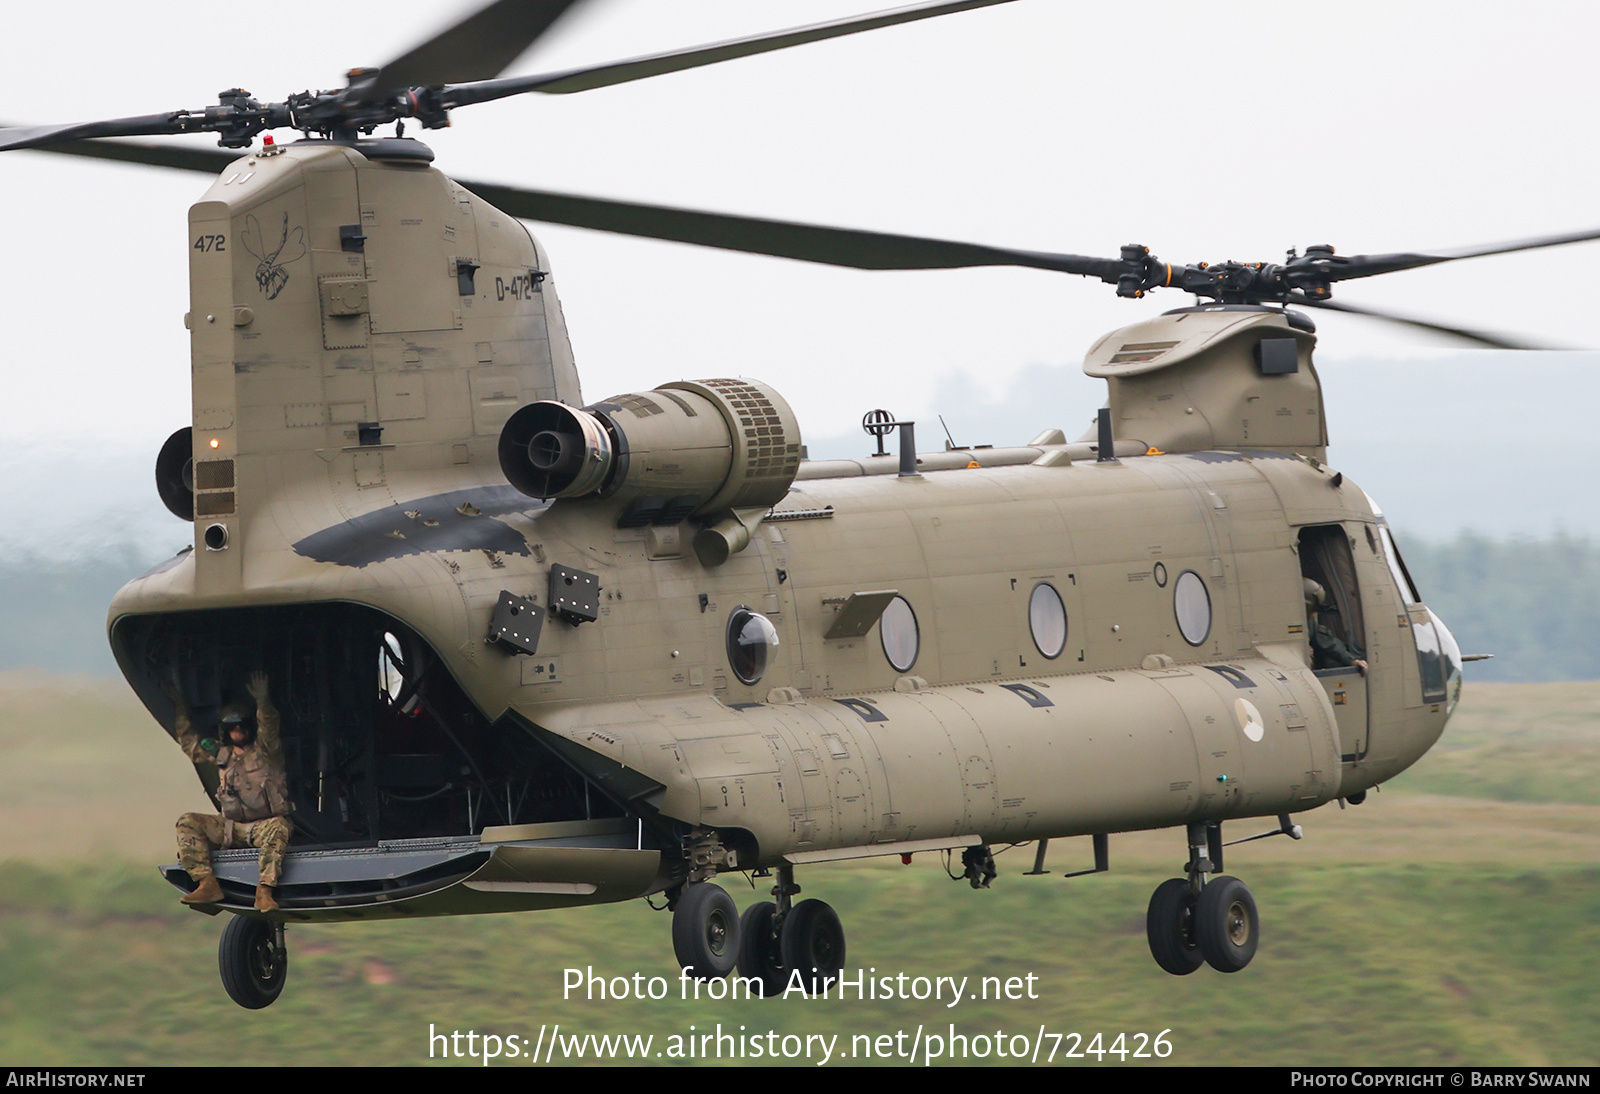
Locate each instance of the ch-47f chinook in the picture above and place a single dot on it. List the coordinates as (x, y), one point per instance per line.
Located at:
(532, 653)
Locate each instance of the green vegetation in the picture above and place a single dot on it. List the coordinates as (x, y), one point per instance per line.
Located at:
(1450, 920)
(1420, 964)
(1517, 744)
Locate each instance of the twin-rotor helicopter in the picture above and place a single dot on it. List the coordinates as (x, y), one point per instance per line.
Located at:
(533, 651)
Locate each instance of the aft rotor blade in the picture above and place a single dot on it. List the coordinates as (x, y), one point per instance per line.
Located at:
(1484, 338)
(1342, 269)
(657, 64)
(209, 161)
(782, 239)
(38, 136)
(479, 47)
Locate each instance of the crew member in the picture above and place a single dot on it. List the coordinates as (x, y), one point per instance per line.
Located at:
(253, 792)
(1328, 650)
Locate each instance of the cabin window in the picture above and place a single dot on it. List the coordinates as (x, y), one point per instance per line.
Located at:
(1328, 559)
(898, 629)
(752, 644)
(1047, 618)
(1191, 603)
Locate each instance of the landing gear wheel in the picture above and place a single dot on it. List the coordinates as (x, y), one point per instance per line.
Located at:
(813, 942)
(1226, 924)
(761, 951)
(1171, 927)
(253, 961)
(705, 931)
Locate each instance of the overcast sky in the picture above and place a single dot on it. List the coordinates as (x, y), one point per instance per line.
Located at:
(1208, 132)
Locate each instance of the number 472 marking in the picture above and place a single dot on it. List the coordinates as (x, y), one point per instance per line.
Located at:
(211, 243)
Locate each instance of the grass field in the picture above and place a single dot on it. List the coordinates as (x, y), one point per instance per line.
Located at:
(1451, 919)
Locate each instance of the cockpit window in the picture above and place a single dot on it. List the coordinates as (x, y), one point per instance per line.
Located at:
(1438, 659)
(1449, 664)
(1397, 567)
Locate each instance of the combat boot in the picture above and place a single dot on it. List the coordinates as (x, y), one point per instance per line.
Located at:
(207, 892)
(264, 901)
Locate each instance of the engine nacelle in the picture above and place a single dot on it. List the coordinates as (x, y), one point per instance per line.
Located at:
(688, 448)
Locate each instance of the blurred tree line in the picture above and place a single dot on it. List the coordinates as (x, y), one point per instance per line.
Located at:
(1534, 604)
(53, 609)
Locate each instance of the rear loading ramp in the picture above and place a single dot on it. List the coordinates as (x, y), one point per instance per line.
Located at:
(508, 869)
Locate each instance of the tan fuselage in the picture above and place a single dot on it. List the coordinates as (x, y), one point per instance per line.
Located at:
(362, 329)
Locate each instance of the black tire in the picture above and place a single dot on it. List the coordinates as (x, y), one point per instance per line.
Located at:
(1226, 924)
(1169, 922)
(253, 967)
(705, 931)
(761, 951)
(813, 942)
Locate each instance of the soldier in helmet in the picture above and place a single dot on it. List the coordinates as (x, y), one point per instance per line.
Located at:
(252, 790)
(1328, 650)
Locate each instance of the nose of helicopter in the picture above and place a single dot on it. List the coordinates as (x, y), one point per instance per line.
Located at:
(1439, 658)
(1448, 661)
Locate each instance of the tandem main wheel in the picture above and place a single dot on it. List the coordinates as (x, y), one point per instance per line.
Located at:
(705, 931)
(1220, 927)
(810, 938)
(1226, 924)
(1169, 924)
(812, 941)
(761, 949)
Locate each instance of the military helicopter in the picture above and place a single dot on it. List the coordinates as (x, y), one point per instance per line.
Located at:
(537, 653)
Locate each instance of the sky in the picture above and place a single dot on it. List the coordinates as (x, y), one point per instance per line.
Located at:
(1206, 132)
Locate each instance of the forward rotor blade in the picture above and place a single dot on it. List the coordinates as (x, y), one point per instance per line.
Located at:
(209, 161)
(1342, 269)
(1488, 339)
(656, 64)
(479, 47)
(782, 239)
(38, 136)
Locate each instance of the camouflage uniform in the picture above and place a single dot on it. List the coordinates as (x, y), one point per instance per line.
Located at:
(254, 795)
(200, 833)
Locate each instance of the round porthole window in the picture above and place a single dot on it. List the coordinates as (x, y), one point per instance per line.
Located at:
(1047, 618)
(898, 629)
(1192, 605)
(752, 644)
